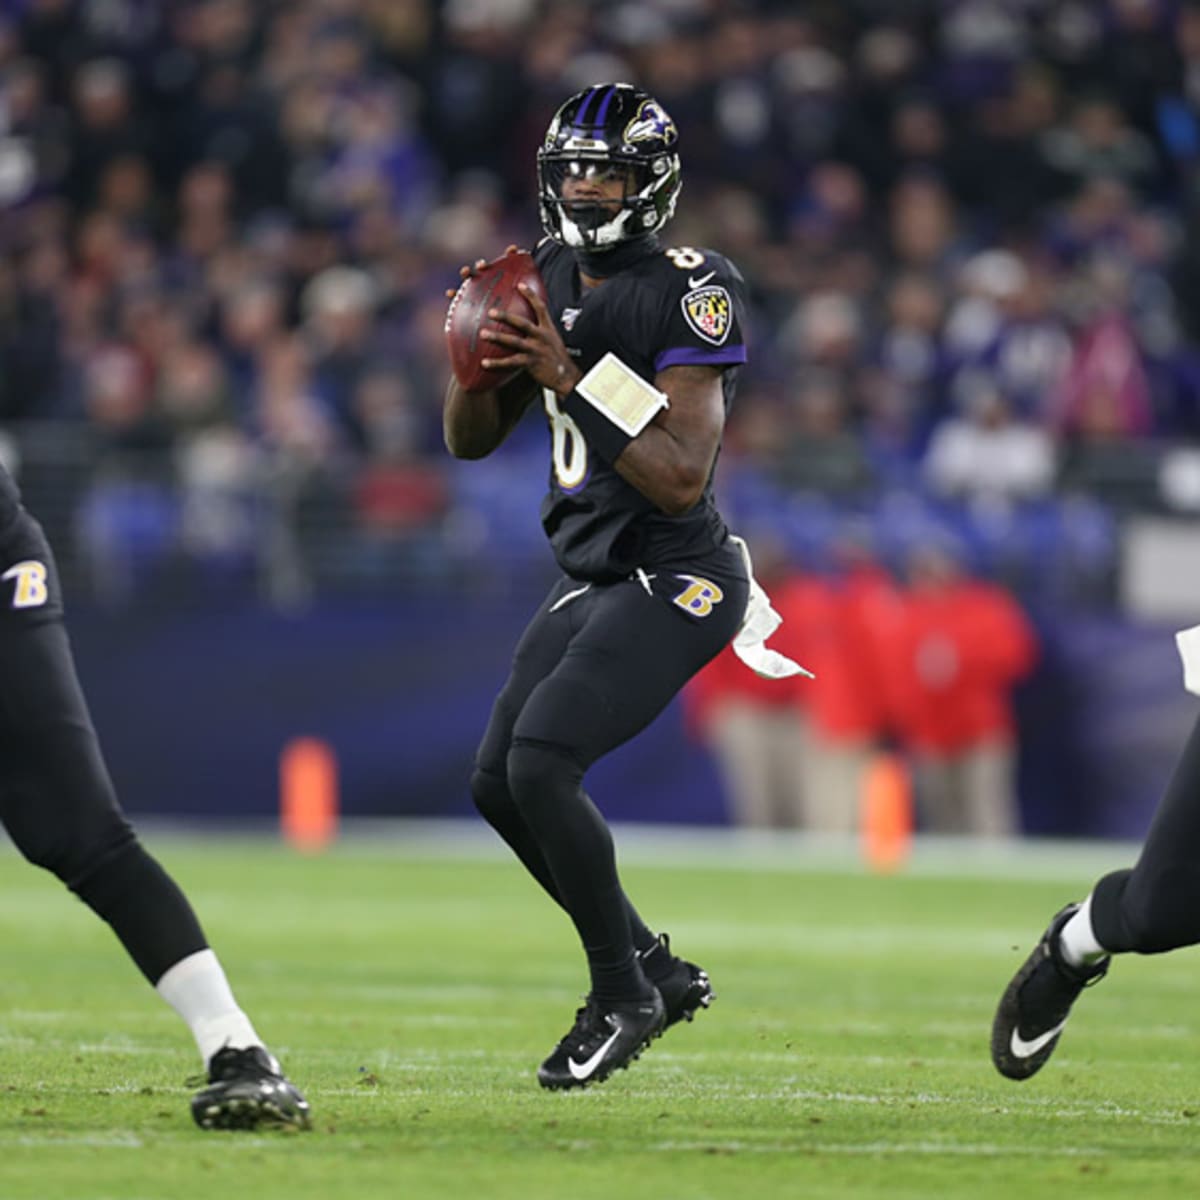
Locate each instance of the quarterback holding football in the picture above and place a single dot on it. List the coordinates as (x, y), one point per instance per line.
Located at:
(633, 353)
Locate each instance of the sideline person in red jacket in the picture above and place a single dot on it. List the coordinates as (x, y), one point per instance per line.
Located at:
(966, 644)
(849, 628)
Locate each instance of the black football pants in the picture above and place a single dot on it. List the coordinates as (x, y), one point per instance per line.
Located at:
(591, 671)
(56, 798)
(1156, 905)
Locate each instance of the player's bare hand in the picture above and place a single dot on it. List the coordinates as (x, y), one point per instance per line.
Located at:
(466, 273)
(535, 346)
(477, 265)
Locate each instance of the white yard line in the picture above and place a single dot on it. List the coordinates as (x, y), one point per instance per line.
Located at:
(687, 846)
(880, 1149)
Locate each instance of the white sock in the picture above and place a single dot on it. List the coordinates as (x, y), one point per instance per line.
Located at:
(1077, 940)
(196, 988)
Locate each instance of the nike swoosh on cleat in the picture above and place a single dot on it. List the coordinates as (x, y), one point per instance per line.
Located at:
(585, 1070)
(695, 283)
(1027, 1049)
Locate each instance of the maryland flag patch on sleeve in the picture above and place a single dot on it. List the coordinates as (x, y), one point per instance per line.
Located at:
(708, 311)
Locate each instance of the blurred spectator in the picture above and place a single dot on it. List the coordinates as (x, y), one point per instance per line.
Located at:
(107, 126)
(963, 647)
(1175, 105)
(338, 306)
(1030, 348)
(34, 131)
(1000, 170)
(1103, 408)
(983, 41)
(987, 456)
(923, 225)
(985, 283)
(809, 86)
(825, 333)
(745, 120)
(216, 462)
(399, 492)
(754, 730)
(830, 212)
(249, 319)
(1105, 393)
(1096, 142)
(887, 60)
(289, 418)
(473, 96)
(909, 353)
(821, 452)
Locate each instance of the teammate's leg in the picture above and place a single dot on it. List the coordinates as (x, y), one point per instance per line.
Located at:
(59, 807)
(1155, 907)
(1150, 909)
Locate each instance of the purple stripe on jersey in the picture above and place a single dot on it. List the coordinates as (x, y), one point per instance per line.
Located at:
(694, 356)
(612, 91)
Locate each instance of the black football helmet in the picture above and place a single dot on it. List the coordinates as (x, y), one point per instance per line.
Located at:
(612, 129)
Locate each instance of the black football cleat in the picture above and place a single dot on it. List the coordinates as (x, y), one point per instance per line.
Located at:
(1034, 1008)
(247, 1090)
(685, 987)
(604, 1038)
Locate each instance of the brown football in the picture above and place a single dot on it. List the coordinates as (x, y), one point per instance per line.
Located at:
(491, 286)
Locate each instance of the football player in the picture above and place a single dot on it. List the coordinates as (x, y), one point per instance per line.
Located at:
(58, 805)
(634, 359)
(1150, 909)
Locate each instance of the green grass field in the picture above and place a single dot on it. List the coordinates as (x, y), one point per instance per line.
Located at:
(412, 992)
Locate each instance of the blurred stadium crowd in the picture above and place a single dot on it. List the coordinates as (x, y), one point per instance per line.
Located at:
(969, 228)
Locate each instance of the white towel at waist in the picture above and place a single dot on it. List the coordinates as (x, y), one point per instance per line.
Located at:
(759, 623)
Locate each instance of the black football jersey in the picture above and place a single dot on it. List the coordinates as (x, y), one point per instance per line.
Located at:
(676, 306)
(10, 501)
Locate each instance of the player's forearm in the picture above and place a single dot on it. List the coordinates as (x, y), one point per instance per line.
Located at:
(670, 460)
(669, 473)
(471, 422)
(475, 423)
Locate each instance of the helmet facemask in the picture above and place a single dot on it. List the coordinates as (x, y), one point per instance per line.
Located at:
(594, 223)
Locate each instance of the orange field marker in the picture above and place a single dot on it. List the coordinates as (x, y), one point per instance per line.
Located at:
(887, 813)
(308, 793)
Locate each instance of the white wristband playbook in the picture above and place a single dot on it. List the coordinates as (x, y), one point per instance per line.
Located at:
(621, 395)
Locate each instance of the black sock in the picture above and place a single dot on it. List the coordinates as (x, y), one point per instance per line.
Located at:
(644, 938)
(616, 976)
(577, 846)
(656, 960)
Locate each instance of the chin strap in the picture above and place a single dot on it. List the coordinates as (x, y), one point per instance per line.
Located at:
(602, 264)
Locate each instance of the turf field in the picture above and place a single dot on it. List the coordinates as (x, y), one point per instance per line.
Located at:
(412, 987)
